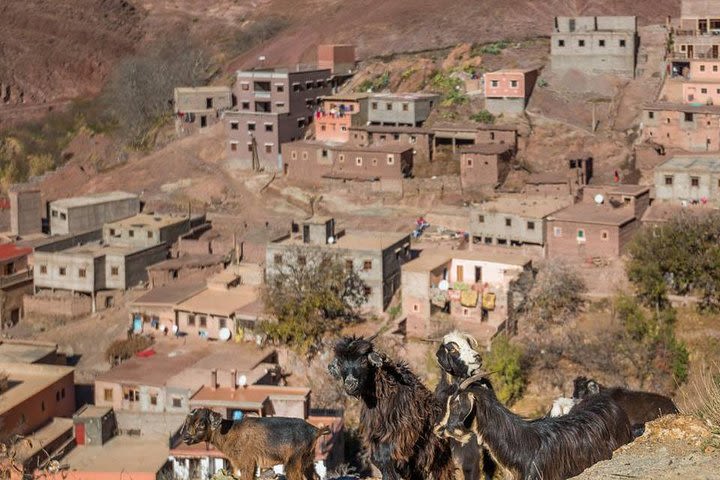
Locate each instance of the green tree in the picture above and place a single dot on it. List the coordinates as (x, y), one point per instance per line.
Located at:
(310, 293)
(680, 257)
(505, 362)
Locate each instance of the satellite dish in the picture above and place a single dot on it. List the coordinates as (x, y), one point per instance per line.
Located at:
(599, 199)
(224, 334)
(331, 239)
(174, 328)
(444, 285)
(242, 380)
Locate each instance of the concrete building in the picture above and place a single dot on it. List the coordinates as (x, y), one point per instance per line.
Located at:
(376, 256)
(25, 211)
(273, 107)
(37, 394)
(687, 127)
(166, 378)
(513, 220)
(400, 109)
(148, 229)
(30, 351)
(310, 161)
(508, 91)
(16, 281)
(480, 291)
(484, 165)
(418, 138)
(601, 225)
(456, 136)
(696, 35)
(184, 268)
(595, 45)
(689, 179)
(199, 107)
(91, 212)
(340, 59)
(338, 114)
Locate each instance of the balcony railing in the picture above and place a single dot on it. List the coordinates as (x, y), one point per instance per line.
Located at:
(17, 277)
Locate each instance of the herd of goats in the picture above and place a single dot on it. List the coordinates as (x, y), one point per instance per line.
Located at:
(411, 433)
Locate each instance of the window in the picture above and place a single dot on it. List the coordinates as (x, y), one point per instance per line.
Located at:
(601, 43)
(557, 231)
(304, 155)
(293, 155)
(203, 321)
(131, 233)
(581, 235)
(279, 88)
(514, 83)
(581, 43)
(405, 107)
(280, 104)
(604, 234)
(702, 68)
(245, 86)
(531, 225)
(82, 273)
(63, 271)
(62, 393)
(416, 307)
(250, 147)
(296, 87)
(622, 43)
(63, 216)
(42, 405)
(114, 271)
(688, 117)
(668, 180)
(493, 83)
(341, 158)
(268, 148)
(246, 105)
(191, 320)
(374, 161)
(348, 264)
(251, 126)
(278, 258)
(108, 394)
(57, 396)
(508, 222)
(703, 90)
(374, 105)
(388, 106)
(561, 43)
(234, 126)
(368, 291)
(367, 265)
(222, 323)
(54, 213)
(301, 122)
(469, 162)
(695, 181)
(715, 68)
(391, 159)
(396, 136)
(131, 394)
(358, 161)
(43, 269)
(153, 399)
(177, 402)
(651, 115)
(302, 260)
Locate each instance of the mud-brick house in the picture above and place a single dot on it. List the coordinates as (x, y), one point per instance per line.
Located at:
(199, 107)
(689, 127)
(420, 139)
(474, 291)
(599, 226)
(16, 281)
(376, 256)
(484, 165)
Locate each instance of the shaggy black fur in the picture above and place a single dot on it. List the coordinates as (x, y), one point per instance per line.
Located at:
(397, 413)
(542, 449)
(470, 457)
(640, 407)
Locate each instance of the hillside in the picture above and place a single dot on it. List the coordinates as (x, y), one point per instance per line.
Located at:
(51, 52)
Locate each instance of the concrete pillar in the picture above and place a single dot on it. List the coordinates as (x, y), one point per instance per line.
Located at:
(453, 145)
(94, 304)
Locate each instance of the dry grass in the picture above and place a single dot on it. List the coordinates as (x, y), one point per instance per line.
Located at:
(704, 397)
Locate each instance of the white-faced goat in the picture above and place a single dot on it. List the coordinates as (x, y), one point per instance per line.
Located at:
(542, 449)
(640, 407)
(458, 360)
(397, 413)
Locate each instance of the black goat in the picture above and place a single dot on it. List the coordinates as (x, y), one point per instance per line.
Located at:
(458, 360)
(640, 407)
(397, 413)
(542, 449)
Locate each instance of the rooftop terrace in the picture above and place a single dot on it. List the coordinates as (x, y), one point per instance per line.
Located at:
(94, 199)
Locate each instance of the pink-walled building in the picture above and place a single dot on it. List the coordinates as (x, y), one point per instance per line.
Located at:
(507, 91)
(337, 114)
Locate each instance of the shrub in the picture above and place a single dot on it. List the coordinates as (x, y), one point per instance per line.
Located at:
(380, 82)
(483, 116)
(705, 403)
(450, 87)
(121, 350)
(505, 362)
(557, 292)
(257, 32)
(495, 48)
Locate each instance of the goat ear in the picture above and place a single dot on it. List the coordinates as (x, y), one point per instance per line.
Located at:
(334, 368)
(375, 359)
(215, 420)
(593, 387)
(471, 340)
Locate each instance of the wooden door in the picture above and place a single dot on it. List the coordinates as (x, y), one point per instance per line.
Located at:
(460, 274)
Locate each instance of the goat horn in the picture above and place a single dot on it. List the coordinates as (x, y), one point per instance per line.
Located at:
(372, 337)
(470, 380)
(431, 340)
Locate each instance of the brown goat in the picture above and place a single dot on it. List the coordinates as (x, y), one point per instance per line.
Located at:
(255, 441)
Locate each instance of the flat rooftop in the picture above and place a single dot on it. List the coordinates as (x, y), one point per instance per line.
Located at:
(98, 249)
(430, 259)
(188, 261)
(487, 148)
(123, 453)
(660, 212)
(92, 411)
(682, 107)
(144, 220)
(279, 72)
(94, 199)
(339, 97)
(174, 357)
(546, 178)
(391, 129)
(27, 379)
(595, 214)
(527, 206)
(221, 302)
(357, 240)
(205, 89)
(384, 148)
(169, 295)
(18, 351)
(470, 127)
(692, 163)
(513, 70)
(252, 396)
(403, 96)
